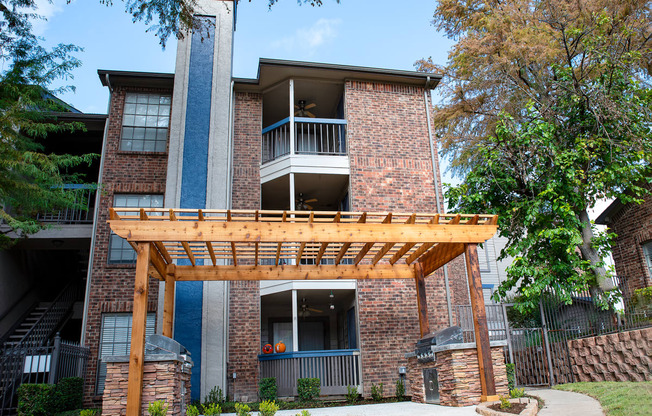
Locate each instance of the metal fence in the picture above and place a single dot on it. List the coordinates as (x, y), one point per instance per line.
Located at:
(538, 342)
(39, 364)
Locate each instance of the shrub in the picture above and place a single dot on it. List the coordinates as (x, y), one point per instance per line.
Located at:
(303, 413)
(516, 393)
(351, 394)
(504, 402)
(511, 379)
(192, 410)
(68, 394)
(214, 396)
(400, 389)
(308, 389)
(267, 389)
(89, 412)
(377, 392)
(35, 399)
(242, 410)
(157, 408)
(268, 408)
(212, 409)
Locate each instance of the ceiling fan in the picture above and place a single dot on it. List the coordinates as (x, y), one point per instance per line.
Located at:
(304, 204)
(306, 309)
(302, 109)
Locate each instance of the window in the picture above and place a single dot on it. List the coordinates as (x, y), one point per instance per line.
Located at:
(145, 122)
(115, 339)
(120, 252)
(647, 251)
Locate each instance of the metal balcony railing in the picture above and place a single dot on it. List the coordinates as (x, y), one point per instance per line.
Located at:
(312, 136)
(80, 213)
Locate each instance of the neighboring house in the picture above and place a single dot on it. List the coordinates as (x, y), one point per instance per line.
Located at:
(201, 138)
(632, 249)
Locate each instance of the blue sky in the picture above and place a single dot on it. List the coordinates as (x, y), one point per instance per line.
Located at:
(386, 34)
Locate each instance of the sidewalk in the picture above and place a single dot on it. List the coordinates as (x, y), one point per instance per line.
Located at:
(566, 403)
(385, 409)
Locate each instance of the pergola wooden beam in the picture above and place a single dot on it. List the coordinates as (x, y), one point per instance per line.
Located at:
(426, 241)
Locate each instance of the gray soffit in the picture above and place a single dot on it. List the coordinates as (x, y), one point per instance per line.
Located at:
(135, 79)
(272, 71)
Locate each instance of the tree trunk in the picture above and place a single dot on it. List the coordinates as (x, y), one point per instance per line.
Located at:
(589, 253)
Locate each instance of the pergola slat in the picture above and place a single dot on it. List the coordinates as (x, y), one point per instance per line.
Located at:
(209, 245)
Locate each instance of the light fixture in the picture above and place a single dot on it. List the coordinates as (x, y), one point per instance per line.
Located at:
(332, 305)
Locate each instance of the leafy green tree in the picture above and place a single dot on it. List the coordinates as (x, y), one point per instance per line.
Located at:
(547, 108)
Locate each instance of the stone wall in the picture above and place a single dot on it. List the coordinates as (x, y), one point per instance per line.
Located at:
(162, 380)
(625, 356)
(458, 375)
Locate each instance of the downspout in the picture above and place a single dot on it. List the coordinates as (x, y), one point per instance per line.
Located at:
(96, 211)
(229, 203)
(437, 196)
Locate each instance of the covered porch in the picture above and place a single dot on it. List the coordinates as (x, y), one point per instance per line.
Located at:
(232, 245)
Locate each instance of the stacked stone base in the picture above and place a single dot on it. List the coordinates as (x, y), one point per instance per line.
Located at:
(167, 380)
(459, 376)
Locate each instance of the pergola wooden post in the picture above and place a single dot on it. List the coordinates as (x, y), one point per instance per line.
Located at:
(396, 246)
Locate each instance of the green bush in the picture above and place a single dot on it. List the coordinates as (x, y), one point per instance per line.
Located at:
(400, 390)
(268, 408)
(267, 389)
(89, 412)
(192, 410)
(352, 394)
(511, 379)
(212, 409)
(157, 408)
(308, 389)
(242, 410)
(214, 396)
(377, 392)
(35, 399)
(68, 394)
(504, 402)
(517, 393)
(303, 413)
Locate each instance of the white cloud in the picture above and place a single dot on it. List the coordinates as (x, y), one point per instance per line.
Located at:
(307, 39)
(46, 9)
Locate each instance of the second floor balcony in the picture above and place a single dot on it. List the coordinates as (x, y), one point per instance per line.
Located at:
(312, 136)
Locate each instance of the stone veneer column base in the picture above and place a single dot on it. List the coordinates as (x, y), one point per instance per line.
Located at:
(165, 379)
(458, 375)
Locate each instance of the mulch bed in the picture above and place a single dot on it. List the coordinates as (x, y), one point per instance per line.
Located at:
(515, 409)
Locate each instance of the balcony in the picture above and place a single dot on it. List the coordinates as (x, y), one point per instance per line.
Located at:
(80, 213)
(312, 136)
(336, 369)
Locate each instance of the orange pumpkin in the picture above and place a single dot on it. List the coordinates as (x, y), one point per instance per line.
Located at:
(267, 349)
(280, 347)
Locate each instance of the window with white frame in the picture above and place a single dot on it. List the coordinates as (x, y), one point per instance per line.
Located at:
(115, 339)
(120, 252)
(145, 121)
(647, 251)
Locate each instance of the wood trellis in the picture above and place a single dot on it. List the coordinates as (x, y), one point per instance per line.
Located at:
(201, 245)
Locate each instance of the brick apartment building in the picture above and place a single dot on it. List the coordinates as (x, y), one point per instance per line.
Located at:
(300, 136)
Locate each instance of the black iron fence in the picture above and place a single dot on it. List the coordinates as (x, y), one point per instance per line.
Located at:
(46, 363)
(538, 341)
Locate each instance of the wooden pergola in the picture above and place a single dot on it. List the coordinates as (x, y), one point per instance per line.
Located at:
(175, 245)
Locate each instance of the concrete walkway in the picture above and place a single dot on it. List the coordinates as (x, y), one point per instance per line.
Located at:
(566, 403)
(557, 403)
(385, 409)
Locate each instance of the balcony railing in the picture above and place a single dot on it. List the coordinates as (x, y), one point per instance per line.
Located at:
(336, 369)
(81, 213)
(312, 136)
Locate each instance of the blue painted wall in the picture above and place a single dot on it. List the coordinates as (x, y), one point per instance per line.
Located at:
(189, 295)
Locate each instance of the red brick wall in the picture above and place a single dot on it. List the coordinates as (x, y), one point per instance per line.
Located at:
(244, 299)
(391, 170)
(112, 285)
(633, 224)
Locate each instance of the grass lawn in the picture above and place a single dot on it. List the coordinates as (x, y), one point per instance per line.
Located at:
(617, 398)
